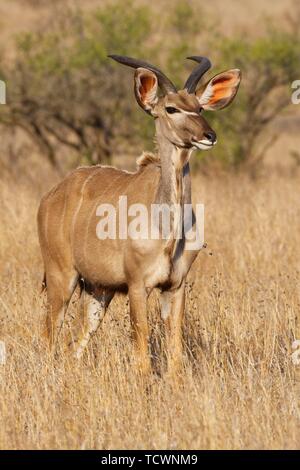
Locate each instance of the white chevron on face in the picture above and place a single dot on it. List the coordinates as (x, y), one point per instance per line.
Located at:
(204, 144)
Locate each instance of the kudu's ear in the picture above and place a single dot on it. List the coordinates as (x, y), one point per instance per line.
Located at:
(146, 89)
(220, 90)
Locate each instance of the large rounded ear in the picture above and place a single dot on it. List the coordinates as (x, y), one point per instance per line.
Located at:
(220, 90)
(146, 89)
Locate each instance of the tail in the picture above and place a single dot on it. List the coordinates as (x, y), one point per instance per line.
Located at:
(44, 284)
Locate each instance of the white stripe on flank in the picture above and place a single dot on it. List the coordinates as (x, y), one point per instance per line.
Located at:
(93, 212)
(80, 203)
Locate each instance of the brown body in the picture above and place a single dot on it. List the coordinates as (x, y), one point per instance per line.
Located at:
(67, 222)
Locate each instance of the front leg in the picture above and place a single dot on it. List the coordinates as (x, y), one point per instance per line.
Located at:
(139, 321)
(172, 311)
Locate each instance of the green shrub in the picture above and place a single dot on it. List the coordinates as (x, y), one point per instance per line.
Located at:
(268, 65)
(64, 92)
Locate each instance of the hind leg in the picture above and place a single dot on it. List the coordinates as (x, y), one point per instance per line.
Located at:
(94, 304)
(60, 287)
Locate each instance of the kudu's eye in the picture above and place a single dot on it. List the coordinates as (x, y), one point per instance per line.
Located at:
(171, 110)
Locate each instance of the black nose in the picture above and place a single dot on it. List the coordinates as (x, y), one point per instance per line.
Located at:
(211, 136)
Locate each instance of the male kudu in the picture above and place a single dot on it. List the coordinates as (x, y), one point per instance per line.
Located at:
(67, 218)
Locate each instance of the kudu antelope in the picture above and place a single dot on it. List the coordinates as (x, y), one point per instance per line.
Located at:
(67, 215)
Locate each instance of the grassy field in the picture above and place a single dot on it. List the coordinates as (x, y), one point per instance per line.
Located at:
(238, 388)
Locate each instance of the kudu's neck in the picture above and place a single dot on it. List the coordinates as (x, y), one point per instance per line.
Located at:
(175, 182)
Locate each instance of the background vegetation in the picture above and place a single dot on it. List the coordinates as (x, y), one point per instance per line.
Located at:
(65, 92)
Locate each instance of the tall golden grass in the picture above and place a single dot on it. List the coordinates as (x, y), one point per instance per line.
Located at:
(238, 388)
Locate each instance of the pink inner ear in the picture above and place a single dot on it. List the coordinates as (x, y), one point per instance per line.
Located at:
(221, 93)
(147, 83)
(223, 87)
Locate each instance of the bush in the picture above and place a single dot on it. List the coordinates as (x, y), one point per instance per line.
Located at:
(65, 93)
(268, 65)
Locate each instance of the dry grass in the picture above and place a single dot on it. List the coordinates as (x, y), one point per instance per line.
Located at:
(239, 386)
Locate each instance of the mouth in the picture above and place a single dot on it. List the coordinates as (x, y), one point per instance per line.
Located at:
(204, 144)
